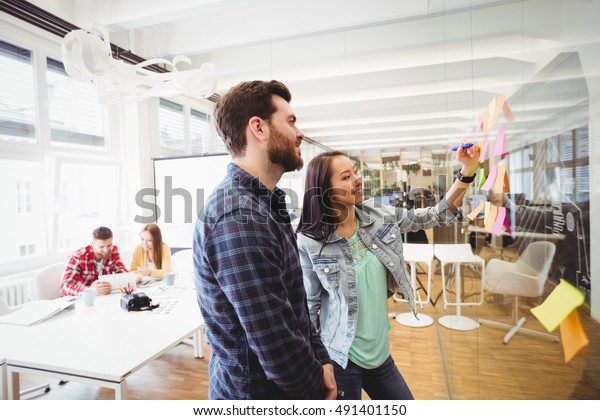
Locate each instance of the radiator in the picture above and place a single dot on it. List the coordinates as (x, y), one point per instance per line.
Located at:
(16, 291)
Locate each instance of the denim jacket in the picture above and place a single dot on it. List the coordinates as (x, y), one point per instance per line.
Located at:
(329, 276)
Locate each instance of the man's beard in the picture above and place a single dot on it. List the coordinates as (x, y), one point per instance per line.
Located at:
(283, 152)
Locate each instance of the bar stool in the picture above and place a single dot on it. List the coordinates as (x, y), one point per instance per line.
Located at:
(413, 254)
(458, 254)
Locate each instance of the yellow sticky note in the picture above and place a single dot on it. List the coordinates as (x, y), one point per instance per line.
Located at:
(572, 335)
(558, 305)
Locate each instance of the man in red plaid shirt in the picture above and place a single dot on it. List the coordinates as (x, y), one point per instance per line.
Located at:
(84, 266)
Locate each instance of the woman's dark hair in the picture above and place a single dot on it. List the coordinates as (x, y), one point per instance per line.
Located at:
(318, 219)
(244, 101)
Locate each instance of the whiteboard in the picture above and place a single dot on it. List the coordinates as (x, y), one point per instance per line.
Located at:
(180, 185)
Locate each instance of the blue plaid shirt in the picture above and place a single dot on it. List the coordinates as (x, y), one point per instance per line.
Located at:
(252, 297)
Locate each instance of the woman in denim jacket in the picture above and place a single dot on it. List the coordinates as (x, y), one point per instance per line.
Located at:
(351, 256)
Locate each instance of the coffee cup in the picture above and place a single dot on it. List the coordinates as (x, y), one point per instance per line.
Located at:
(170, 278)
(88, 297)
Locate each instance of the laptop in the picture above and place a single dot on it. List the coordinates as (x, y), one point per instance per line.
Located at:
(118, 280)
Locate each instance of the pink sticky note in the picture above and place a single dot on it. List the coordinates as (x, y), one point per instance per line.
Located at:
(499, 148)
(497, 228)
(490, 179)
(507, 227)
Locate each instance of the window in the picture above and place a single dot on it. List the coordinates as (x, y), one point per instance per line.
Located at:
(200, 132)
(172, 129)
(24, 196)
(27, 250)
(17, 104)
(93, 192)
(76, 117)
(23, 207)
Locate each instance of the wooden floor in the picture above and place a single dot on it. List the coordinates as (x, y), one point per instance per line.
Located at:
(436, 362)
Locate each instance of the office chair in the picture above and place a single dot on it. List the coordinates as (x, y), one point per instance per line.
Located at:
(5, 309)
(47, 281)
(525, 277)
(183, 261)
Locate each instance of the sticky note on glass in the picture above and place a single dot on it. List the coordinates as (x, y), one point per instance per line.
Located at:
(499, 223)
(482, 178)
(558, 305)
(491, 212)
(500, 147)
(486, 121)
(471, 216)
(572, 335)
(500, 175)
(484, 148)
(490, 179)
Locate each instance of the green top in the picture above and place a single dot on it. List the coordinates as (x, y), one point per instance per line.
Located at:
(371, 345)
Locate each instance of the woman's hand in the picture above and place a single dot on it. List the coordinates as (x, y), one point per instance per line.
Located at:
(469, 158)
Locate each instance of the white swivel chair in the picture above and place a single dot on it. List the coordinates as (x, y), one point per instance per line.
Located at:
(414, 254)
(183, 262)
(47, 281)
(525, 277)
(5, 309)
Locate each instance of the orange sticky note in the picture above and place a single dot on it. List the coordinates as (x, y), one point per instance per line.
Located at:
(491, 212)
(499, 183)
(572, 335)
(507, 112)
(492, 114)
(471, 216)
(486, 122)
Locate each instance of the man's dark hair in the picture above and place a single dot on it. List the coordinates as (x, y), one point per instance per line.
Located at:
(242, 102)
(102, 233)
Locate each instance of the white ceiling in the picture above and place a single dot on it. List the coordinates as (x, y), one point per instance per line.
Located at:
(376, 77)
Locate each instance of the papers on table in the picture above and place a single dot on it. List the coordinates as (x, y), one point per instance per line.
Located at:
(37, 311)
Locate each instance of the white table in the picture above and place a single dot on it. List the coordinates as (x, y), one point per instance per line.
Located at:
(413, 254)
(458, 254)
(101, 344)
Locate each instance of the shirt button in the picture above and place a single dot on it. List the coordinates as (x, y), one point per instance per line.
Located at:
(362, 231)
(326, 269)
(394, 235)
(374, 246)
(391, 263)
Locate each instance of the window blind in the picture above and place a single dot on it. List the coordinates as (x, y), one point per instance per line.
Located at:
(76, 116)
(171, 124)
(17, 98)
